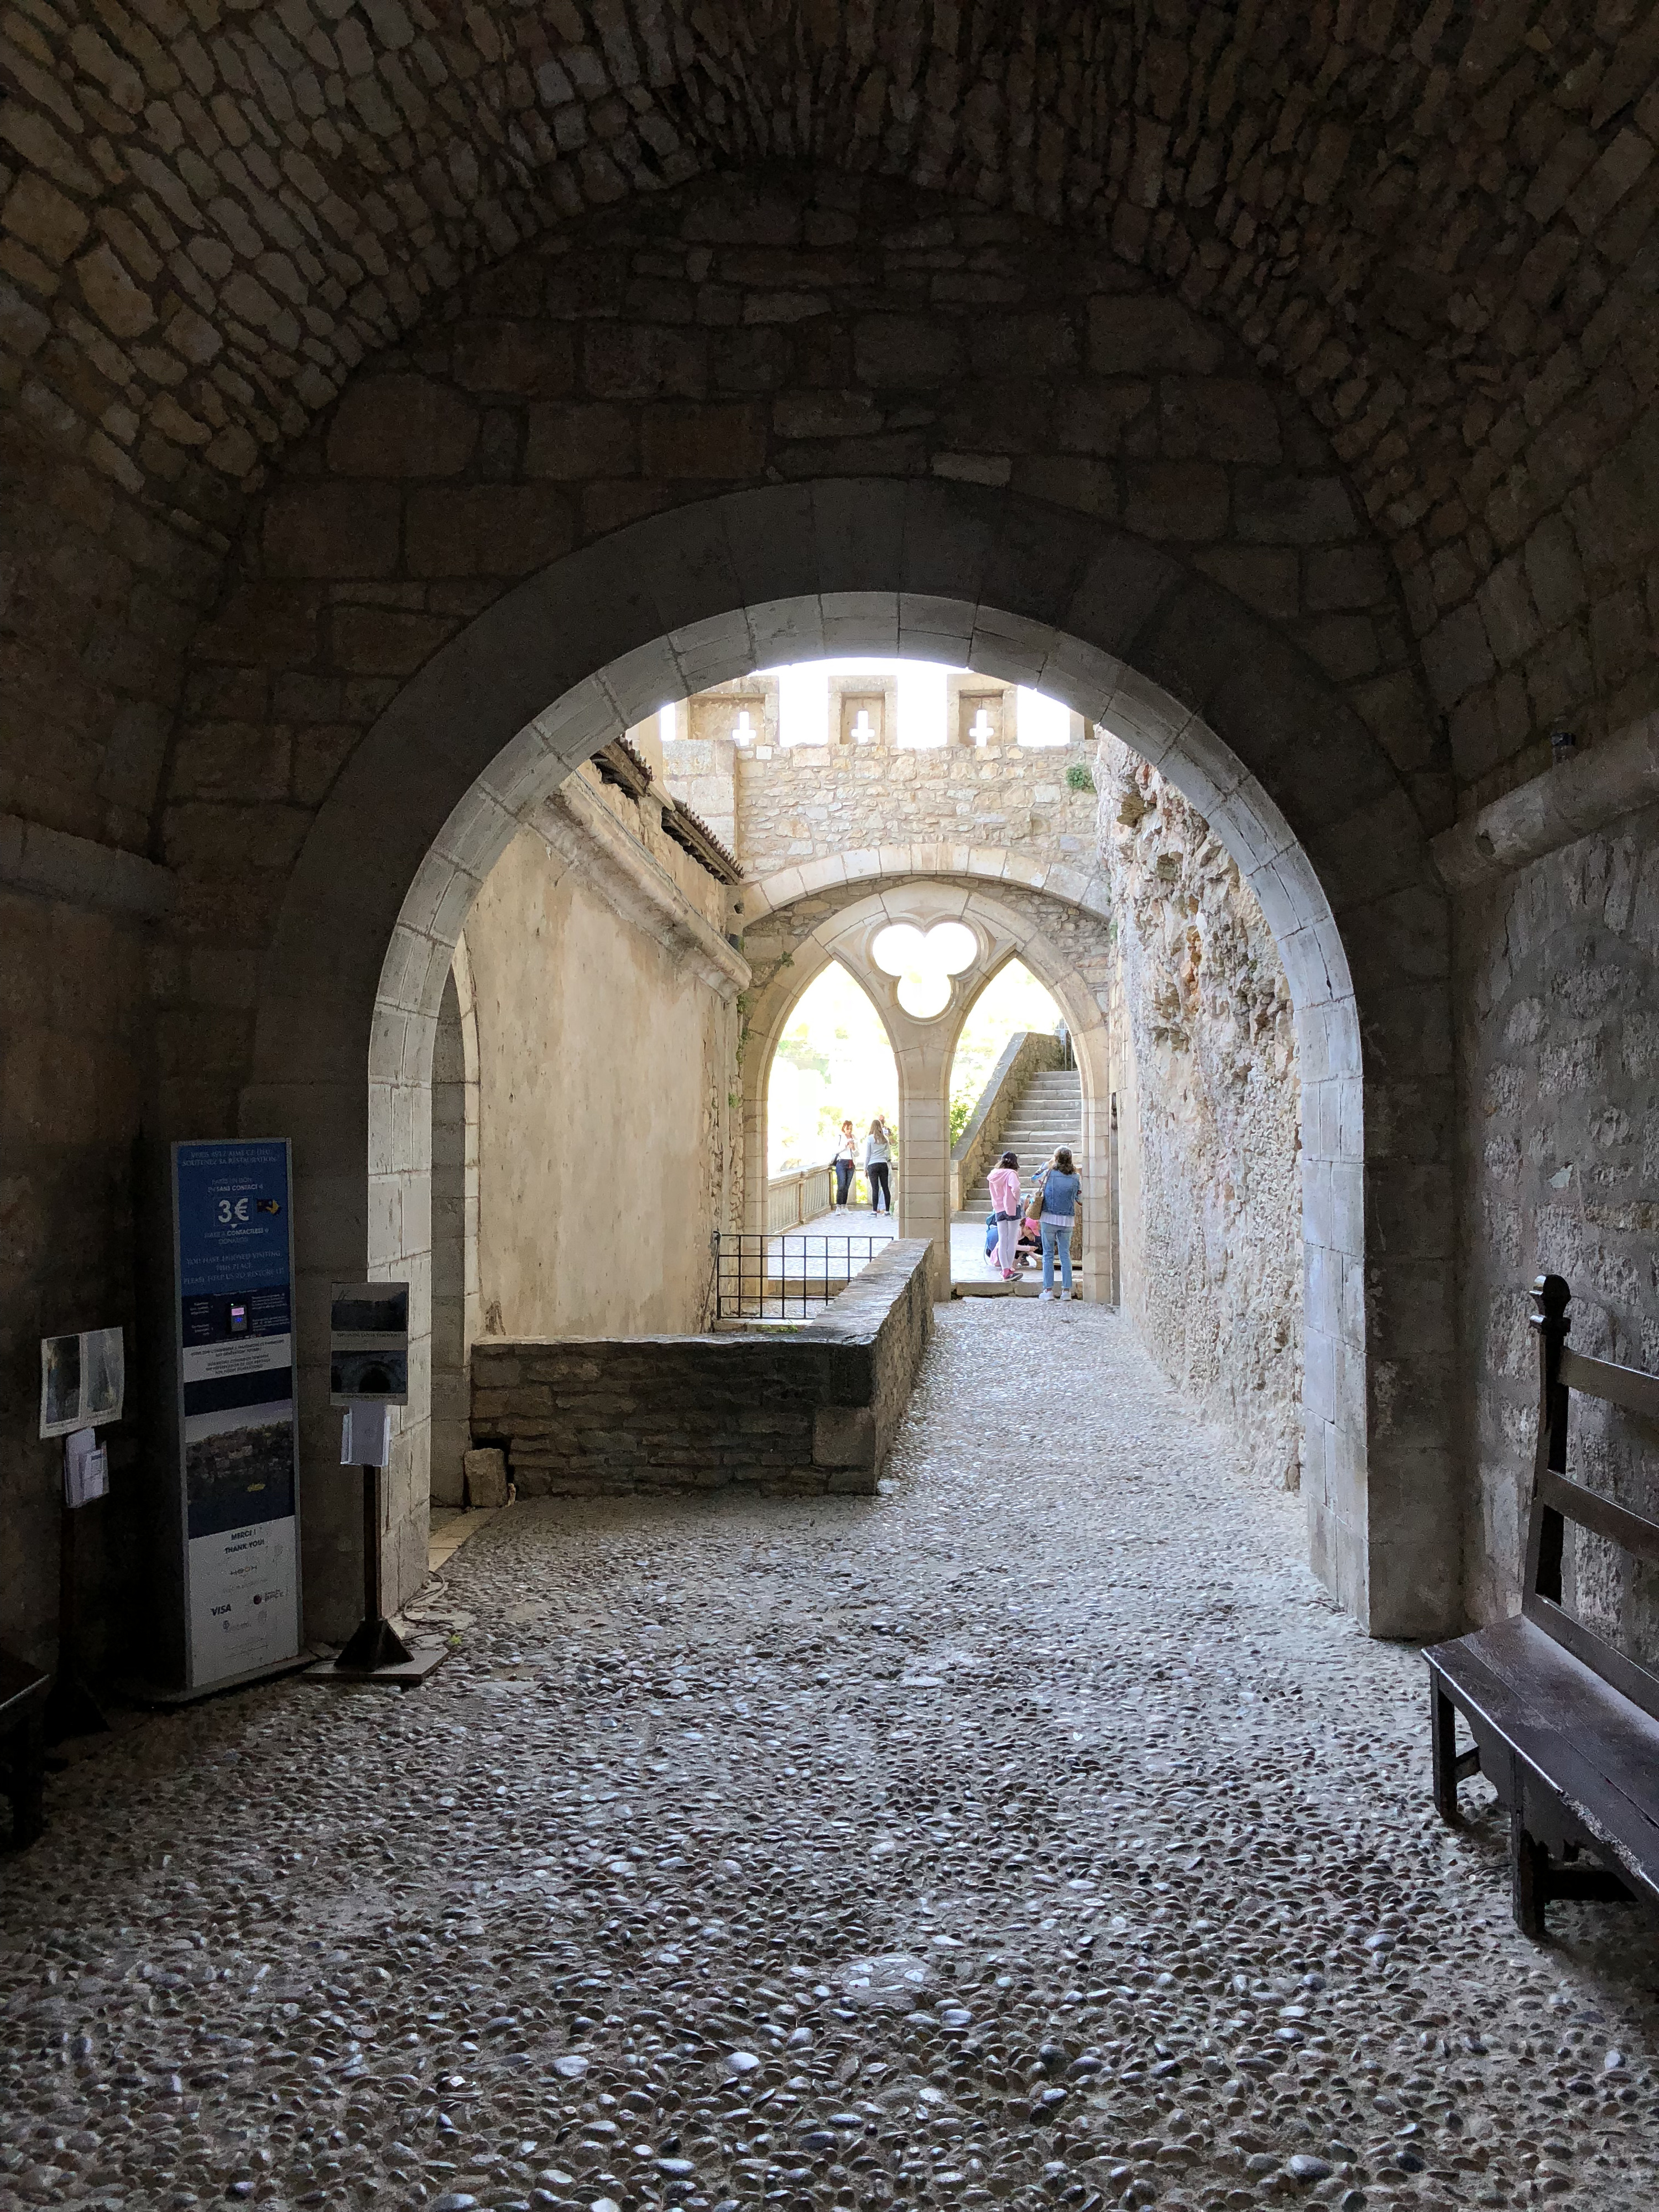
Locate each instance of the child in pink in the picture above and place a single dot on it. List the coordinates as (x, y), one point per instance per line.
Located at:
(1004, 1180)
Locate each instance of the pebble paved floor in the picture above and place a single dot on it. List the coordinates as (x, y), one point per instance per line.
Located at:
(1034, 1832)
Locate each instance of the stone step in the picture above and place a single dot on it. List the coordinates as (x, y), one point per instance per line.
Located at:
(1047, 1114)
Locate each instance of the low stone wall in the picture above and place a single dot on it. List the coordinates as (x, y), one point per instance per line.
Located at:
(809, 1410)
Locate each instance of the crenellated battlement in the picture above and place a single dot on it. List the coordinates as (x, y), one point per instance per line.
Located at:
(871, 783)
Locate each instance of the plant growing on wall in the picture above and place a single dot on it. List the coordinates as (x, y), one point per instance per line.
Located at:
(1077, 777)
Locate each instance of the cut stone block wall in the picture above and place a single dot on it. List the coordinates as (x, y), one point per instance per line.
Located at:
(74, 1064)
(810, 1411)
(943, 405)
(455, 1319)
(806, 800)
(573, 293)
(1209, 1136)
(1558, 983)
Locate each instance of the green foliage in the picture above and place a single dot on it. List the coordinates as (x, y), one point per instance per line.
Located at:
(800, 1052)
(962, 1110)
(1077, 777)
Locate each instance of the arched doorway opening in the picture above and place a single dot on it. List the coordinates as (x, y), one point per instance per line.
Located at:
(1012, 1003)
(834, 1062)
(998, 923)
(438, 787)
(1015, 1088)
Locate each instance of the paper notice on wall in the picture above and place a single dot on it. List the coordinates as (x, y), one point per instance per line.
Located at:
(86, 1468)
(366, 1434)
(84, 1380)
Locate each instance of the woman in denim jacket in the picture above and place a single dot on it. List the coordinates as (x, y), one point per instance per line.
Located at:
(1060, 1190)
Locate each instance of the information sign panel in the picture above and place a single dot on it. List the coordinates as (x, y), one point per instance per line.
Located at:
(238, 1434)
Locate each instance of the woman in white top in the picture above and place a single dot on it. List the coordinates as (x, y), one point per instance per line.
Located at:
(878, 1166)
(846, 1159)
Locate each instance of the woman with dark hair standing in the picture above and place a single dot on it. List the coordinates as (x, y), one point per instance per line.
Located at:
(878, 1166)
(1004, 1180)
(846, 1159)
(1061, 1188)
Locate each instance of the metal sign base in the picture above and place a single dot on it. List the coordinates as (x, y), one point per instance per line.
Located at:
(406, 1674)
(376, 1653)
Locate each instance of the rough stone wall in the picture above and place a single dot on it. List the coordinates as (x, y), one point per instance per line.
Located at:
(1208, 1118)
(778, 326)
(1558, 971)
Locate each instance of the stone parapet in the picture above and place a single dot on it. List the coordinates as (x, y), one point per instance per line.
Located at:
(809, 1411)
(795, 802)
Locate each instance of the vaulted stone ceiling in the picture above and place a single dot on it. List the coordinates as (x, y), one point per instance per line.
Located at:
(1435, 219)
(1433, 216)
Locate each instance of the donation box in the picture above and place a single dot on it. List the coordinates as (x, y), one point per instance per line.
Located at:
(238, 1434)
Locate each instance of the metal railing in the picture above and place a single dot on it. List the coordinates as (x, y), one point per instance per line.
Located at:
(798, 1196)
(785, 1278)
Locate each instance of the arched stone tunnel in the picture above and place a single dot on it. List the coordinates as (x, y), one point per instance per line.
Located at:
(402, 403)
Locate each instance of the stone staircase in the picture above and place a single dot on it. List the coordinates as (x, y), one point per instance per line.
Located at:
(1046, 1113)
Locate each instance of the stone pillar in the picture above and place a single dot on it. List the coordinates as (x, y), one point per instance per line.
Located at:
(923, 1188)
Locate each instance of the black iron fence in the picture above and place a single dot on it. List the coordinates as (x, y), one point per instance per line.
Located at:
(785, 1278)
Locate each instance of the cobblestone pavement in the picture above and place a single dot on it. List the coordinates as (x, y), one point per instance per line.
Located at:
(1034, 1832)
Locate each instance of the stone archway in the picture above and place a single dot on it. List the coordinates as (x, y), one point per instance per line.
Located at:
(923, 1049)
(1294, 783)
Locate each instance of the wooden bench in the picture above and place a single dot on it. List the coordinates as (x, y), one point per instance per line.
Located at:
(23, 1745)
(1565, 1727)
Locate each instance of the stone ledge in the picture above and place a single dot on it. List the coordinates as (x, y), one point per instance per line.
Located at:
(1552, 809)
(638, 884)
(80, 872)
(808, 1413)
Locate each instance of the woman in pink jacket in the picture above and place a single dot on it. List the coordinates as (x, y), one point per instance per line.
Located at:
(1004, 1180)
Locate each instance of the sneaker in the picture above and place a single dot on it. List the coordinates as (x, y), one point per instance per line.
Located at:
(1043, 1294)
